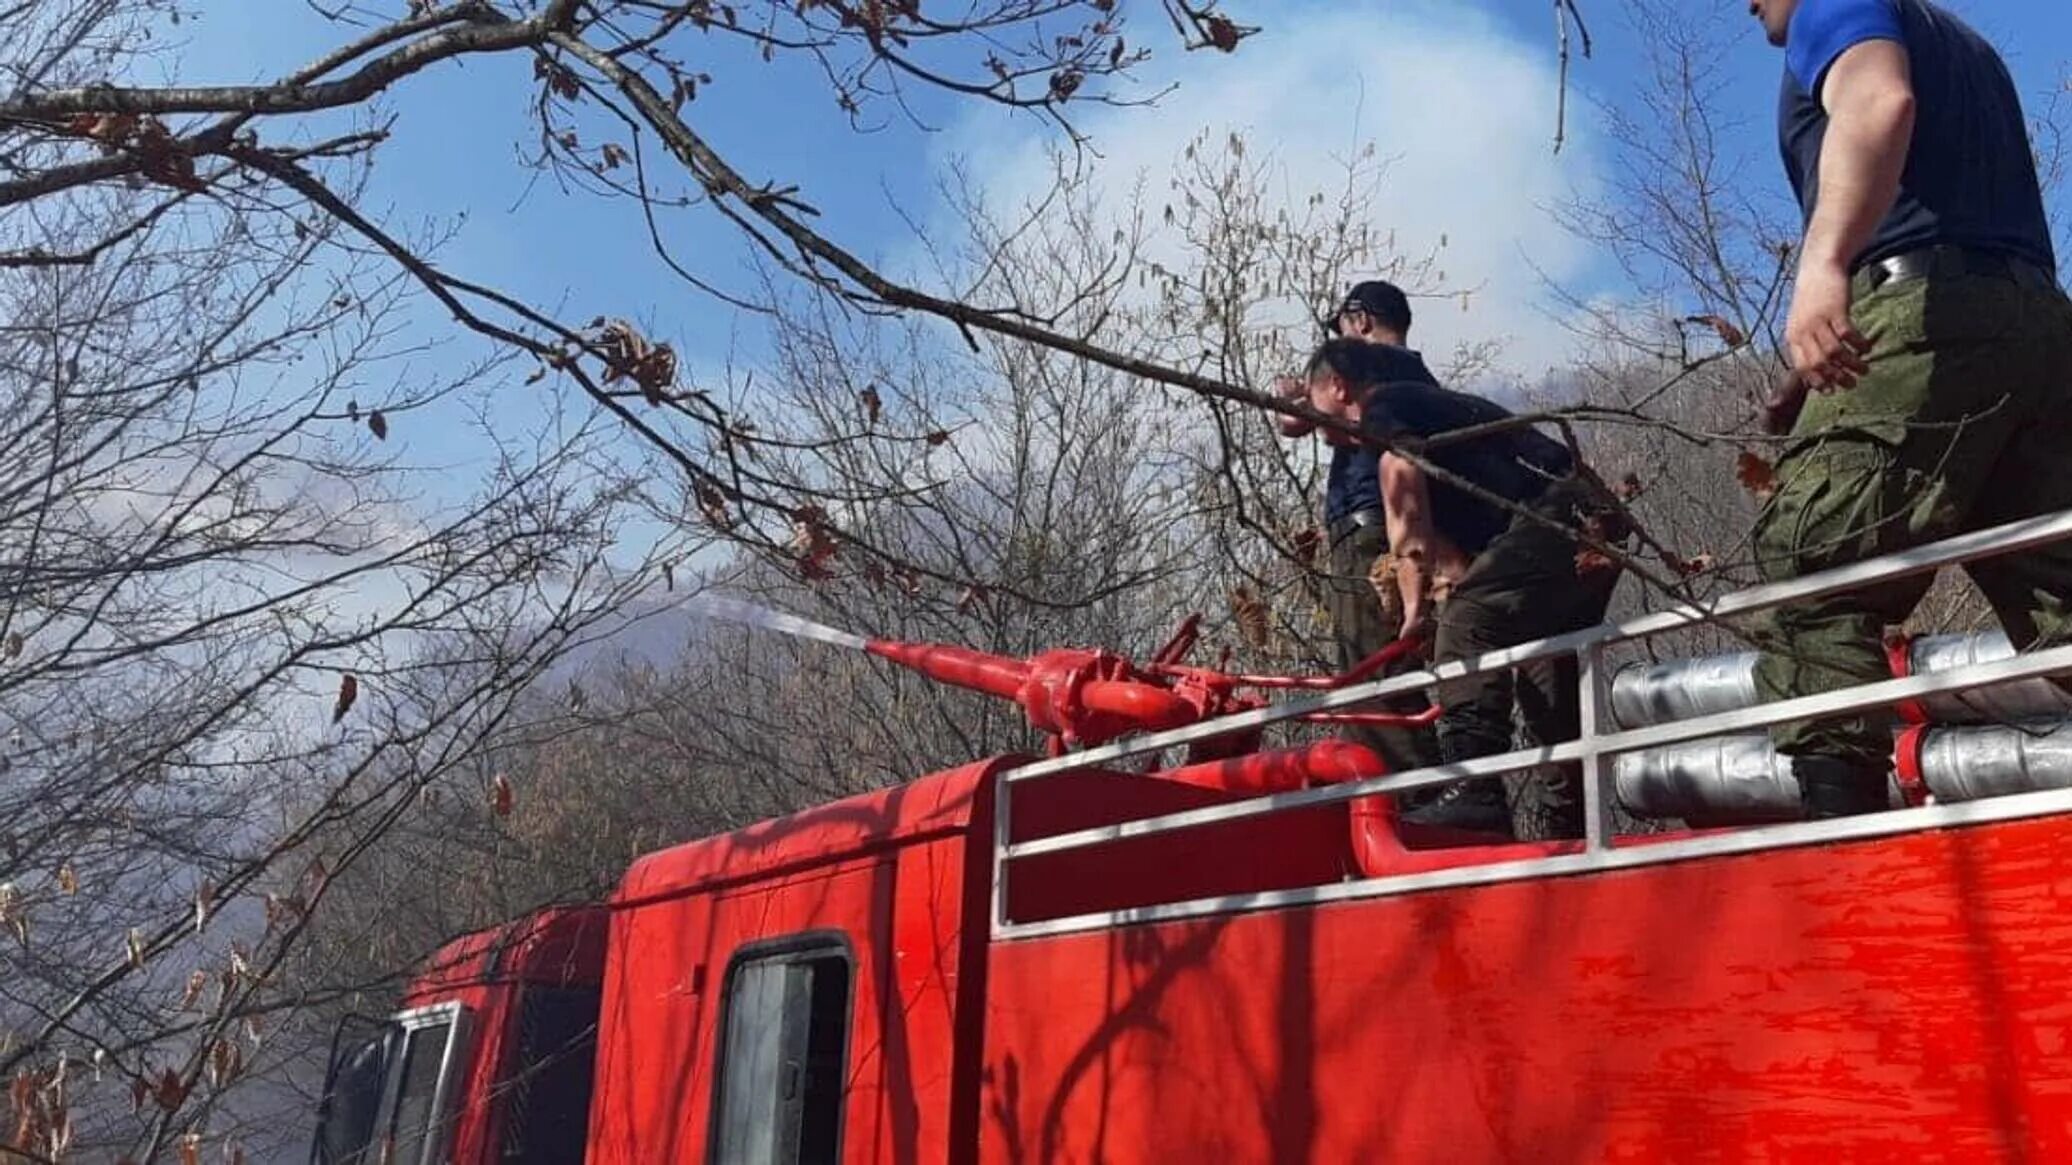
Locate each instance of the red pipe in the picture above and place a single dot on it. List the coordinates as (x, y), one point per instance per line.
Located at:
(1327, 762)
(1906, 755)
(1145, 707)
(1899, 653)
(995, 675)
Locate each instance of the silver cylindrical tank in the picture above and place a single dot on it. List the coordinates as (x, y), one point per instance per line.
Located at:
(1743, 780)
(2034, 699)
(1731, 778)
(1647, 694)
(1967, 764)
(1657, 693)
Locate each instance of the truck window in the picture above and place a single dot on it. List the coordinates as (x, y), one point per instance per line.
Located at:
(413, 1127)
(352, 1091)
(783, 1055)
(547, 1091)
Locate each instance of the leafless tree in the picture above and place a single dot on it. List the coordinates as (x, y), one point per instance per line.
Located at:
(244, 621)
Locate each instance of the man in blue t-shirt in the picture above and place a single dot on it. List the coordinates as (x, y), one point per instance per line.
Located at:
(1927, 318)
(1378, 314)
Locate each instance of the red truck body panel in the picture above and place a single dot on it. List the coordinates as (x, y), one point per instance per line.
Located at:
(1897, 999)
(888, 871)
(1890, 998)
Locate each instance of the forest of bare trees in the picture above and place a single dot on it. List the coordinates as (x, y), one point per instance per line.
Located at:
(287, 697)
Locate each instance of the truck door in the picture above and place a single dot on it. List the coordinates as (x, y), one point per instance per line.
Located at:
(784, 1052)
(388, 1088)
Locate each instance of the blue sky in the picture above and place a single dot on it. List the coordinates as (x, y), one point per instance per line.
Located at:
(1460, 93)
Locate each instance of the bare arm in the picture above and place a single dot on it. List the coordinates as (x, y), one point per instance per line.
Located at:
(1292, 388)
(1869, 98)
(1422, 553)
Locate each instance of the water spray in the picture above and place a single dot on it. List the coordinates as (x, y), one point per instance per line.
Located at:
(1080, 697)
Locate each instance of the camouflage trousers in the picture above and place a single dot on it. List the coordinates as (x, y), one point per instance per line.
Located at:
(1964, 421)
(1362, 626)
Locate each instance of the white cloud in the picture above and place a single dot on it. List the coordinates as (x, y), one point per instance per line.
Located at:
(1462, 111)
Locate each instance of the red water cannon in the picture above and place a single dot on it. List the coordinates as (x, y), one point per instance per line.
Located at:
(1080, 697)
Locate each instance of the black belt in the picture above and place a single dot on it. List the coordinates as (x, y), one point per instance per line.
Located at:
(1943, 262)
(1345, 525)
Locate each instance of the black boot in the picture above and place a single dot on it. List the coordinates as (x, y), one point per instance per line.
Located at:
(1836, 788)
(1475, 806)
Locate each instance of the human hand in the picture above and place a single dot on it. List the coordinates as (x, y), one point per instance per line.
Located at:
(1781, 410)
(1417, 625)
(1826, 349)
(1292, 388)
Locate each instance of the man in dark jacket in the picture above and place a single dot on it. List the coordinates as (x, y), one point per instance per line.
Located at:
(1928, 319)
(1375, 313)
(1480, 568)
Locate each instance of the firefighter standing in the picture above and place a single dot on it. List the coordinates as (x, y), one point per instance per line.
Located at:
(1928, 319)
(1506, 578)
(1376, 313)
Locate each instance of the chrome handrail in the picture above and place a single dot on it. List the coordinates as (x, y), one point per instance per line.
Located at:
(1598, 742)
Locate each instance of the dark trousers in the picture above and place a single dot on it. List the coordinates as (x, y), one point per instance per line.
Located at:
(1362, 627)
(1525, 585)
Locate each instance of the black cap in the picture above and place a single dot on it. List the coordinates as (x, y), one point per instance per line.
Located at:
(1378, 298)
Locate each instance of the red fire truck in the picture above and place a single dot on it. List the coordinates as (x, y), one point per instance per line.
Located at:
(1242, 957)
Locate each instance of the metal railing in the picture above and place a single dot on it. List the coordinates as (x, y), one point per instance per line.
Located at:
(1595, 747)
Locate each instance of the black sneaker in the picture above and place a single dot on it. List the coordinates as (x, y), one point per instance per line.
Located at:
(1834, 788)
(1470, 807)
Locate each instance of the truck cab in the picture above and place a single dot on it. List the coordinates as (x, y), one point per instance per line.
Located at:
(489, 1057)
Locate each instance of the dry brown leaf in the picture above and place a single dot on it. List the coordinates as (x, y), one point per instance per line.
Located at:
(939, 437)
(134, 943)
(501, 796)
(1223, 34)
(1696, 564)
(1756, 475)
(1382, 577)
(811, 542)
(190, 1149)
(67, 880)
(713, 504)
(1729, 335)
(559, 78)
(226, 1060)
(348, 691)
(14, 644)
(377, 425)
(1306, 542)
(169, 1091)
(1254, 620)
(872, 404)
(197, 982)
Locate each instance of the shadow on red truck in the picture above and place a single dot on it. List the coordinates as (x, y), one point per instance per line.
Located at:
(839, 986)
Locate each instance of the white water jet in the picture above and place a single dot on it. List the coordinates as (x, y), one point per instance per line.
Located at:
(737, 611)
